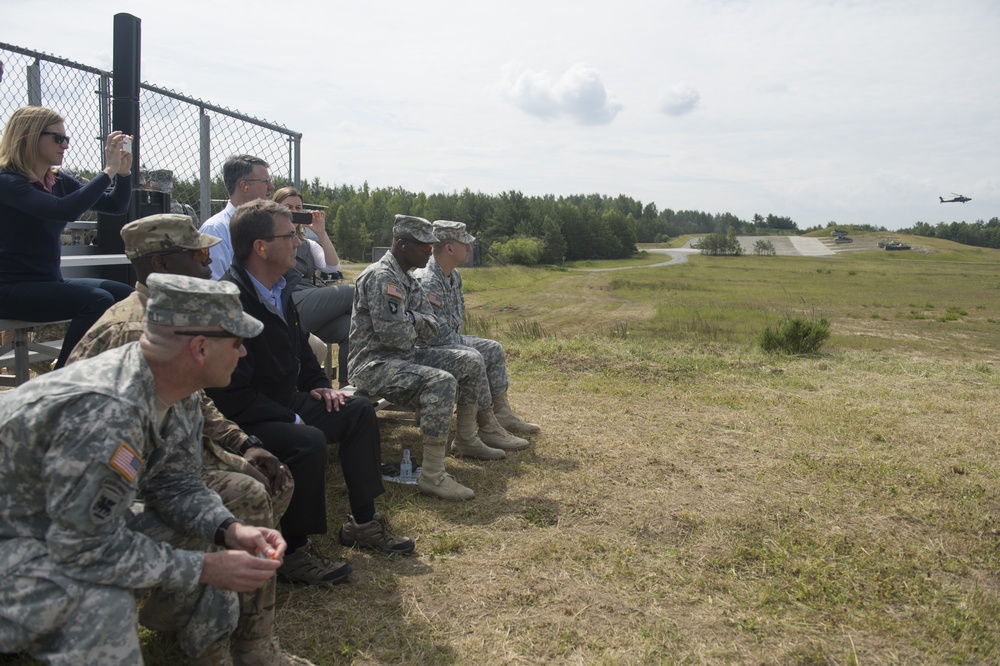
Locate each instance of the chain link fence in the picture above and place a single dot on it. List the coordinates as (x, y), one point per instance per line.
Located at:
(186, 136)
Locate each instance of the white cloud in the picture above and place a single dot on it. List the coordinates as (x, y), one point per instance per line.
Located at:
(579, 94)
(679, 100)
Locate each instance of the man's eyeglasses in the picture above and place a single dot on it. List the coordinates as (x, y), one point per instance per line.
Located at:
(213, 334)
(271, 238)
(200, 255)
(60, 138)
(258, 180)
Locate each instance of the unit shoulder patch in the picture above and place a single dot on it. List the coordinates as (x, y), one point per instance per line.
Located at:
(108, 498)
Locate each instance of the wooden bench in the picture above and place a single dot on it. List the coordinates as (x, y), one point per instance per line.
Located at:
(23, 350)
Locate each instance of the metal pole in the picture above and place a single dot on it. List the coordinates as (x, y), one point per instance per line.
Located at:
(34, 76)
(205, 150)
(296, 147)
(104, 108)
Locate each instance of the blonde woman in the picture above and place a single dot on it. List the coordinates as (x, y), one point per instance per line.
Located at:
(36, 204)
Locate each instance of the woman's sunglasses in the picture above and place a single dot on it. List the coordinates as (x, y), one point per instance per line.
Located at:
(60, 138)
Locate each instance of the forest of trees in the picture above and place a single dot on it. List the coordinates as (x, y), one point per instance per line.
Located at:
(978, 233)
(520, 228)
(548, 229)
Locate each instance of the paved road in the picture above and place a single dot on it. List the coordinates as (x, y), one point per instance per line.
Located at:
(789, 246)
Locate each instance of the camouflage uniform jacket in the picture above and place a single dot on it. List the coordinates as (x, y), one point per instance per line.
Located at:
(76, 448)
(445, 295)
(124, 322)
(380, 328)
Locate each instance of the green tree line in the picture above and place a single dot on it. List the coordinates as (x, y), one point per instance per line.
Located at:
(523, 229)
(978, 233)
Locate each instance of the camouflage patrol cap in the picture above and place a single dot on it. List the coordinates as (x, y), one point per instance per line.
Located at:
(178, 300)
(448, 230)
(163, 233)
(417, 227)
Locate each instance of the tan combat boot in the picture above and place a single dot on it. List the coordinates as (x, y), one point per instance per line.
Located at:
(509, 420)
(493, 434)
(467, 442)
(254, 642)
(264, 652)
(433, 480)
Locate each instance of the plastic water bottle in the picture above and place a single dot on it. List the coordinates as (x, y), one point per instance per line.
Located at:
(406, 467)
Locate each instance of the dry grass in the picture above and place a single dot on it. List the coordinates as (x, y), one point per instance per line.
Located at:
(694, 501)
(729, 509)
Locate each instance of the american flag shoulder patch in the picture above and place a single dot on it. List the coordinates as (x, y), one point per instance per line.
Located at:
(126, 462)
(393, 290)
(435, 300)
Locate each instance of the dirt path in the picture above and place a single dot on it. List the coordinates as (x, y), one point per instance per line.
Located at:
(789, 246)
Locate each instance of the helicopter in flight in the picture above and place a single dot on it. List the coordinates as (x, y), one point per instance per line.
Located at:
(959, 198)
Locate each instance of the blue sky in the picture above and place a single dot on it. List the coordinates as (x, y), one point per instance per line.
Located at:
(851, 111)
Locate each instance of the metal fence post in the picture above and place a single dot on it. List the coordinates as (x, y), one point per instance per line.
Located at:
(296, 146)
(205, 153)
(34, 75)
(104, 109)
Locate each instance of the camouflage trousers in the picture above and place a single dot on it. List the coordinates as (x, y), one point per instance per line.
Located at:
(495, 367)
(433, 380)
(61, 620)
(250, 501)
(252, 504)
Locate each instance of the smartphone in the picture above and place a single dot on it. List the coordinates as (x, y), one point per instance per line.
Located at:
(127, 145)
(302, 218)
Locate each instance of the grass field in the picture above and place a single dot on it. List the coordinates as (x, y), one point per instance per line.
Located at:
(692, 500)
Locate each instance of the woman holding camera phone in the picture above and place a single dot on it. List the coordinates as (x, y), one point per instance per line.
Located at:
(36, 204)
(324, 310)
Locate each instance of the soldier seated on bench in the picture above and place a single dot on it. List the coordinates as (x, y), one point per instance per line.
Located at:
(390, 314)
(80, 445)
(442, 283)
(254, 485)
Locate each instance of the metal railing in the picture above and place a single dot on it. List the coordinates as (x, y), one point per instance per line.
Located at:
(187, 136)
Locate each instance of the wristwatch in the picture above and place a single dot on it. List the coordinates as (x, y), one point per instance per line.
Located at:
(409, 315)
(252, 442)
(220, 532)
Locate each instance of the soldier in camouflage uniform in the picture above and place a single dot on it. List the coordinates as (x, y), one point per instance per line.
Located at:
(442, 283)
(79, 446)
(256, 488)
(390, 314)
